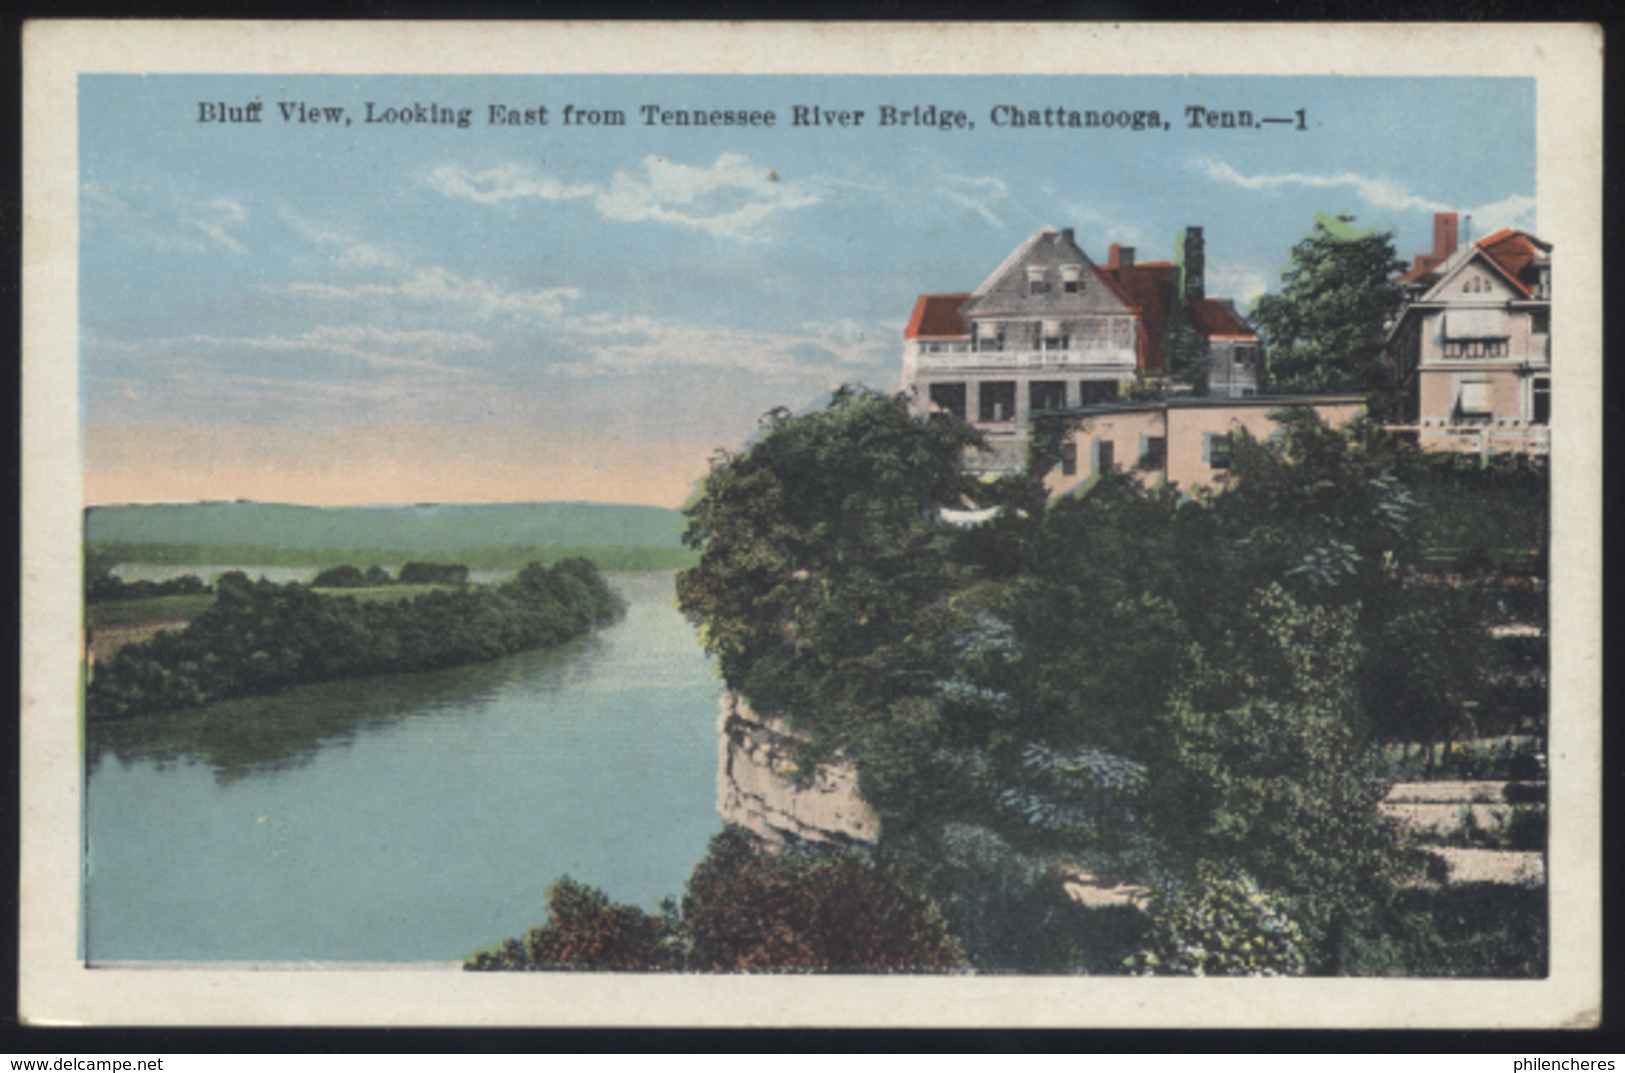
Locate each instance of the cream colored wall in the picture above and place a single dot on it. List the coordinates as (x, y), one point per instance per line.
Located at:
(1437, 392)
(1124, 429)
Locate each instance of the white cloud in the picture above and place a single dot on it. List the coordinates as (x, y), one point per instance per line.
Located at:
(730, 199)
(980, 194)
(1243, 282)
(482, 298)
(353, 252)
(374, 347)
(1093, 225)
(1515, 210)
(214, 217)
(506, 182)
(622, 346)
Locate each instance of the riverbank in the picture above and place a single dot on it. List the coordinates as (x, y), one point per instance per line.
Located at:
(259, 637)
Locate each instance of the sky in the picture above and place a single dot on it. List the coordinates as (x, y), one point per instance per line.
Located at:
(389, 312)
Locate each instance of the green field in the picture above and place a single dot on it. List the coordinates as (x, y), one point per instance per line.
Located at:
(608, 557)
(448, 528)
(480, 536)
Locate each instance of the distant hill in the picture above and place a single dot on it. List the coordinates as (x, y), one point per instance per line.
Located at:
(429, 529)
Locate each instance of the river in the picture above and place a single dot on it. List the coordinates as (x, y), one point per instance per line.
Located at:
(411, 818)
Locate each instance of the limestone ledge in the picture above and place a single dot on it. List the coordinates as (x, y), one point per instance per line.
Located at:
(757, 787)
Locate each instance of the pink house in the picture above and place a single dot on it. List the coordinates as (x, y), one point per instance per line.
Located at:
(1470, 354)
(1181, 441)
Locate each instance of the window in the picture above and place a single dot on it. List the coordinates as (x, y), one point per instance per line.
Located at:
(1037, 286)
(1046, 394)
(1216, 450)
(1540, 397)
(1100, 455)
(1153, 451)
(1071, 286)
(1540, 321)
(1475, 348)
(1472, 401)
(996, 400)
(1092, 392)
(1069, 459)
(949, 398)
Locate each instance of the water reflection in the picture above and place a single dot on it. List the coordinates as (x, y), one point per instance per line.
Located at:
(285, 731)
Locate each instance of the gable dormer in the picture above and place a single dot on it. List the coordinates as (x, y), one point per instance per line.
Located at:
(1046, 276)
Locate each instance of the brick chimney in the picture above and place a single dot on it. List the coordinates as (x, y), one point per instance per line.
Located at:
(1444, 243)
(1195, 264)
(1444, 234)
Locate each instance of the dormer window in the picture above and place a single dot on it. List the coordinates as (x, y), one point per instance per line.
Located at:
(1036, 283)
(1071, 278)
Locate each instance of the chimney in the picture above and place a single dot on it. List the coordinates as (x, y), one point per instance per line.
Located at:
(1444, 234)
(1066, 236)
(1195, 260)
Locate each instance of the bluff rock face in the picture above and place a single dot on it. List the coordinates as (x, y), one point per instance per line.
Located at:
(757, 787)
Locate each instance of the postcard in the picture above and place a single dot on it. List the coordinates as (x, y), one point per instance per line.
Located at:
(642, 524)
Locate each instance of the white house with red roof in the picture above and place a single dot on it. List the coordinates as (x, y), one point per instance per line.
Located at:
(1470, 354)
(1051, 330)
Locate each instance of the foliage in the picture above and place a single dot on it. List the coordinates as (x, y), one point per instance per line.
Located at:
(1010, 911)
(1460, 930)
(1159, 685)
(416, 573)
(586, 930)
(745, 909)
(340, 577)
(1220, 925)
(1325, 327)
(749, 910)
(821, 563)
(102, 586)
(259, 637)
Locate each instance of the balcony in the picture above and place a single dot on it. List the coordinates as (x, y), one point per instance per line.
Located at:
(1077, 353)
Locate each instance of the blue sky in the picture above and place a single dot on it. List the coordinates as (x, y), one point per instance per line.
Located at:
(397, 313)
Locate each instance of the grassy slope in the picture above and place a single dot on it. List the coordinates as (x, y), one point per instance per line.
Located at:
(481, 536)
(423, 529)
(486, 557)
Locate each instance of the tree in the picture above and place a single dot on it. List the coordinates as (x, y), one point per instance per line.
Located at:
(822, 557)
(586, 930)
(1325, 328)
(746, 909)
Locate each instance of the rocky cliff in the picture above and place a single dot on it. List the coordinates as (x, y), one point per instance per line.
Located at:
(758, 787)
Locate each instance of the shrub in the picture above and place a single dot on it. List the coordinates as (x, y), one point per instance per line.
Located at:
(746, 909)
(433, 574)
(586, 930)
(339, 577)
(1220, 926)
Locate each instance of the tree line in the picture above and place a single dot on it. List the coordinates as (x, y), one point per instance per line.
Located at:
(260, 637)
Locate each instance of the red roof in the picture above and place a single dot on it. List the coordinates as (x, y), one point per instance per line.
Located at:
(1425, 263)
(1212, 318)
(1514, 254)
(937, 316)
(1149, 289)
